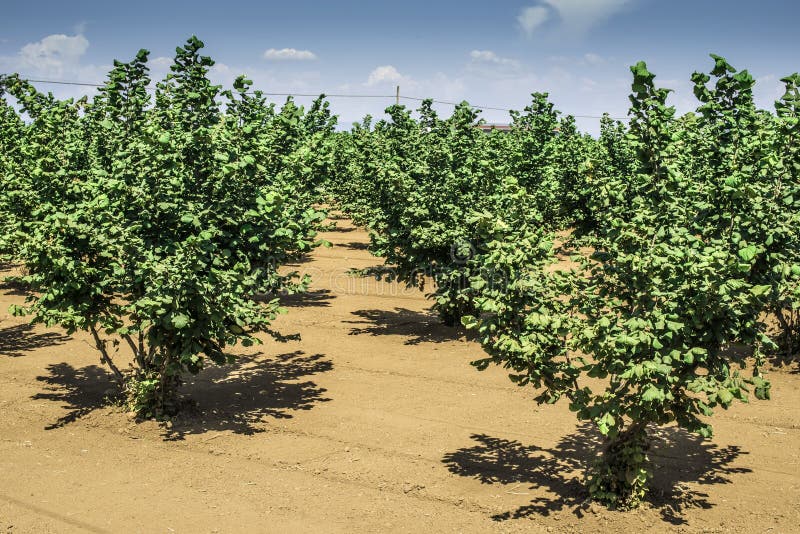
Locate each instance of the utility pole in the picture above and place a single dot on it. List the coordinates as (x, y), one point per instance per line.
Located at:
(397, 96)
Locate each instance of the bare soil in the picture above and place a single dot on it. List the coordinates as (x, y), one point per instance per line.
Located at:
(373, 422)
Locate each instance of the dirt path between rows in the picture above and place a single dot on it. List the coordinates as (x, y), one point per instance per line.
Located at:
(373, 422)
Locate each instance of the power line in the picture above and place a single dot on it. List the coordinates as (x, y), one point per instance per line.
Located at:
(330, 95)
(58, 82)
(505, 109)
(417, 99)
(152, 88)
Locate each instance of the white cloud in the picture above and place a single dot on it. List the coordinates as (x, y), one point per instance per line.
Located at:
(383, 74)
(489, 57)
(576, 16)
(768, 89)
(589, 84)
(289, 54)
(594, 59)
(54, 54)
(531, 18)
(160, 62)
(159, 67)
(57, 57)
(221, 68)
(579, 15)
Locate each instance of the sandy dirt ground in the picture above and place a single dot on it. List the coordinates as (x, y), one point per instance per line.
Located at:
(373, 422)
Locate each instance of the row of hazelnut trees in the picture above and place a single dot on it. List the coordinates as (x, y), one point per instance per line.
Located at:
(634, 276)
(156, 217)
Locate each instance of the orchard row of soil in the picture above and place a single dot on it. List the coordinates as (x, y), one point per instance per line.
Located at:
(375, 421)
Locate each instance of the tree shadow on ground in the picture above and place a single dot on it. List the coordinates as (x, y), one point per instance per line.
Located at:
(240, 396)
(785, 362)
(236, 397)
(10, 285)
(786, 358)
(80, 390)
(378, 272)
(418, 327)
(677, 457)
(320, 298)
(340, 217)
(353, 245)
(17, 340)
(299, 262)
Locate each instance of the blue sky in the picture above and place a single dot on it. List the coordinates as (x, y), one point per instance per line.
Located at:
(489, 53)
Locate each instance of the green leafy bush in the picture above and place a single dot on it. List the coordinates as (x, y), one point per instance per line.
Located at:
(687, 248)
(417, 185)
(159, 223)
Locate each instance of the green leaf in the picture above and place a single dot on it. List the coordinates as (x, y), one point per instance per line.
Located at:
(674, 326)
(469, 322)
(748, 253)
(652, 394)
(760, 290)
(180, 321)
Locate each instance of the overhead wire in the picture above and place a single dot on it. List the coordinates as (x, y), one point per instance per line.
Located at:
(330, 95)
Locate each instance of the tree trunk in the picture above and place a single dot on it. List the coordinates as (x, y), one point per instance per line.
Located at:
(619, 477)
